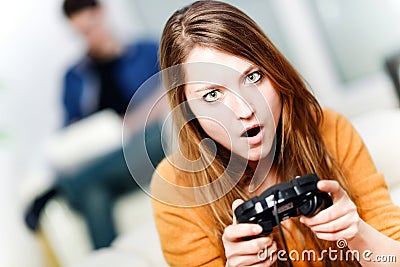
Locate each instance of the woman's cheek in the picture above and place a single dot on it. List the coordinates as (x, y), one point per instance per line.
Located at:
(216, 131)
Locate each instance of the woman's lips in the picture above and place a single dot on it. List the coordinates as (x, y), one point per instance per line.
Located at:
(254, 134)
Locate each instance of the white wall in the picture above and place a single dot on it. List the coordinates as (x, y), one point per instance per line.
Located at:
(33, 52)
(312, 58)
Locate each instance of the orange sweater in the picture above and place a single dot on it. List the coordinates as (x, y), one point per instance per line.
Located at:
(188, 242)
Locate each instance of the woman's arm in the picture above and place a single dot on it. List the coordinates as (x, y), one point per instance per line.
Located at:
(378, 249)
(183, 233)
(183, 241)
(370, 221)
(342, 222)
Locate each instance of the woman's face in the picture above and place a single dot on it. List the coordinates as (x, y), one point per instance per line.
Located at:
(233, 101)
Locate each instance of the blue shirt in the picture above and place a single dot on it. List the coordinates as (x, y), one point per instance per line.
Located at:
(82, 84)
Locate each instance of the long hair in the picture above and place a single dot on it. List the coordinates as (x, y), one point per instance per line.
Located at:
(300, 150)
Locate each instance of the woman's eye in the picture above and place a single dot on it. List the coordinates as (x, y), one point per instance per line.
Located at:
(212, 96)
(253, 77)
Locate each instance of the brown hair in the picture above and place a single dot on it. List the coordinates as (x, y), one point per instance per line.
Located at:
(71, 7)
(300, 150)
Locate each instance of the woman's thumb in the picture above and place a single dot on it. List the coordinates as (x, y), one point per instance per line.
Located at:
(236, 204)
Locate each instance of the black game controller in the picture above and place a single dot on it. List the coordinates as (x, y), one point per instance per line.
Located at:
(300, 196)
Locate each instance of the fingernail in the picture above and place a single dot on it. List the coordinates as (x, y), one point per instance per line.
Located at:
(257, 228)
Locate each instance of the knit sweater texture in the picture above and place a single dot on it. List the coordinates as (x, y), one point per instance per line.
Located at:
(187, 240)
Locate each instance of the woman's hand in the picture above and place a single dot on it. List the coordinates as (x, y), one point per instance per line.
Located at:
(340, 221)
(255, 252)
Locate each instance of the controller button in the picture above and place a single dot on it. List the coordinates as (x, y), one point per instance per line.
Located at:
(258, 207)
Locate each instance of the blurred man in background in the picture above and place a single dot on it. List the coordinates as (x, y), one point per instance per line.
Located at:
(107, 77)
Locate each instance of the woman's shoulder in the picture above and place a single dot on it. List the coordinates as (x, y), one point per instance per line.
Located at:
(332, 118)
(339, 135)
(164, 167)
(335, 124)
(163, 174)
(165, 186)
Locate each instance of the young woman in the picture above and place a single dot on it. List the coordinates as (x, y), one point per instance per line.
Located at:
(245, 122)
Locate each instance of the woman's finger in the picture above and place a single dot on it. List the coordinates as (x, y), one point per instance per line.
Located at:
(332, 187)
(336, 225)
(236, 232)
(332, 213)
(236, 204)
(265, 256)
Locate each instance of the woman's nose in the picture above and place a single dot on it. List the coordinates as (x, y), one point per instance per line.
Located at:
(242, 108)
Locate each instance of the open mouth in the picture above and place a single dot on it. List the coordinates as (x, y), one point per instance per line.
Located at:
(252, 131)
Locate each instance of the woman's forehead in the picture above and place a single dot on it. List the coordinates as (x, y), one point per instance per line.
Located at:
(218, 57)
(208, 66)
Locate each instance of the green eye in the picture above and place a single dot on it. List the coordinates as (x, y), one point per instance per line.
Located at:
(253, 77)
(212, 96)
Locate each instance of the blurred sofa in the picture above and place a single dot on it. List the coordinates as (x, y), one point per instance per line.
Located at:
(137, 244)
(64, 231)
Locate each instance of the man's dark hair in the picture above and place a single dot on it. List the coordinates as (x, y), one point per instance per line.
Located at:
(73, 6)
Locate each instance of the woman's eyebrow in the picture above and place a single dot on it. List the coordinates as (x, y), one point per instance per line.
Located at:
(250, 69)
(206, 88)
